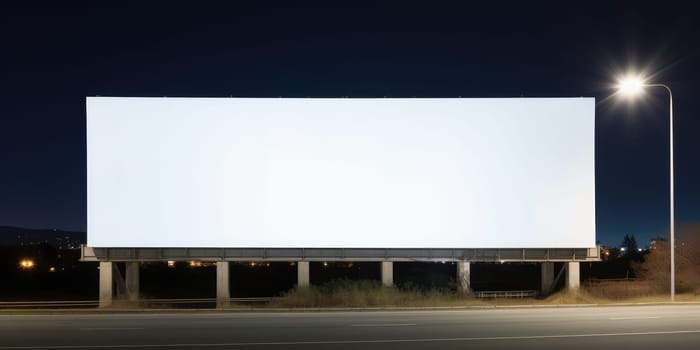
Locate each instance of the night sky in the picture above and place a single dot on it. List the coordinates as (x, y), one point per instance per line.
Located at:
(52, 57)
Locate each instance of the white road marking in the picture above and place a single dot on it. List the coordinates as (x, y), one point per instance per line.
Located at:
(110, 328)
(635, 318)
(334, 342)
(382, 324)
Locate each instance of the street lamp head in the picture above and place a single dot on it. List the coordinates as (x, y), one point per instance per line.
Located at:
(630, 85)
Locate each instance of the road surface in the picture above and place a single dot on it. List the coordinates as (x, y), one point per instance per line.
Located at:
(628, 328)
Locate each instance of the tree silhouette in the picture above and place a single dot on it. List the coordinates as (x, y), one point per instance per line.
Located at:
(630, 244)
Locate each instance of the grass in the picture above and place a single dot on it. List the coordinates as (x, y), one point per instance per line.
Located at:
(368, 294)
(371, 294)
(621, 290)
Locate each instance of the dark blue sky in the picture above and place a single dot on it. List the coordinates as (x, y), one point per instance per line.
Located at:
(52, 57)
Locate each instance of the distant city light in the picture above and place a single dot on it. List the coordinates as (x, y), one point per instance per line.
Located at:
(52, 269)
(195, 264)
(171, 263)
(26, 264)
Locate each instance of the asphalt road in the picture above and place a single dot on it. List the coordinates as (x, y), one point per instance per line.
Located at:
(628, 328)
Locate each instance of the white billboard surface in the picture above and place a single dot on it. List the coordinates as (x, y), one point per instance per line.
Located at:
(341, 173)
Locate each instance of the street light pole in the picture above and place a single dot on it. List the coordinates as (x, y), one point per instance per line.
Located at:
(673, 226)
(633, 85)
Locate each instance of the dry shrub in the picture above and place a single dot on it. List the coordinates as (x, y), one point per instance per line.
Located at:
(656, 266)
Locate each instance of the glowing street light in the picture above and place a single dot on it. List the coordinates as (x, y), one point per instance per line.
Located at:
(633, 85)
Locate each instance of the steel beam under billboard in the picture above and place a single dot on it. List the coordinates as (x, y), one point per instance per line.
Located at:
(508, 255)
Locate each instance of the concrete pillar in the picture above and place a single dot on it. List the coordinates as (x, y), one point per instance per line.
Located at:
(573, 276)
(464, 278)
(303, 278)
(223, 295)
(547, 280)
(132, 281)
(106, 282)
(387, 273)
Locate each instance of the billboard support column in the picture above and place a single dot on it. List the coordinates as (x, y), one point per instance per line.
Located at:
(106, 290)
(547, 278)
(464, 278)
(223, 295)
(132, 281)
(573, 277)
(303, 279)
(387, 273)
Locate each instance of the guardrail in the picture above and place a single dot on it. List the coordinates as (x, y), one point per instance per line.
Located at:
(505, 294)
(47, 304)
(194, 301)
(95, 303)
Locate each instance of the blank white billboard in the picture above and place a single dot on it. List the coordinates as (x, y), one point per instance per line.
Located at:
(341, 173)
